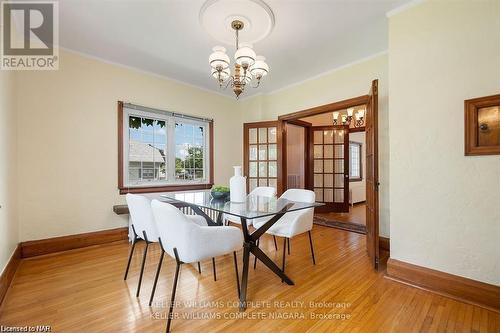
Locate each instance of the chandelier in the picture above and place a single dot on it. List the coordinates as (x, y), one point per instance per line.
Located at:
(249, 69)
(349, 117)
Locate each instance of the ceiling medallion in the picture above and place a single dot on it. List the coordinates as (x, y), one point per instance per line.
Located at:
(255, 24)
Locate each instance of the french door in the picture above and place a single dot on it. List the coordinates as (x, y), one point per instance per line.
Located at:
(372, 181)
(329, 167)
(262, 154)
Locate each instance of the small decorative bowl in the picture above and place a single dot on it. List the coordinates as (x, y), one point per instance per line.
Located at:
(219, 195)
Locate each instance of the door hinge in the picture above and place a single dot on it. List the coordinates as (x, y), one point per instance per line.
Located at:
(377, 185)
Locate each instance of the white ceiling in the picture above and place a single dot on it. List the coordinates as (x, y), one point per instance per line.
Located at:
(165, 37)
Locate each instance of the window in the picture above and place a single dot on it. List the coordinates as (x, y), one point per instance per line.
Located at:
(162, 151)
(355, 168)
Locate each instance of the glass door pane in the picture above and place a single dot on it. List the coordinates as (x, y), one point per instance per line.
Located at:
(261, 161)
(329, 166)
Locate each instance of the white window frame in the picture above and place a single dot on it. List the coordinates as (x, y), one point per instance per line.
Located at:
(360, 156)
(170, 120)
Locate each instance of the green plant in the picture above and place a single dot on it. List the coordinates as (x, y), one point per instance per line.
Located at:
(220, 188)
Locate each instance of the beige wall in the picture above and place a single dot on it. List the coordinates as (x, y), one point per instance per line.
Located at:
(445, 207)
(9, 233)
(350, 81)
(68, 140)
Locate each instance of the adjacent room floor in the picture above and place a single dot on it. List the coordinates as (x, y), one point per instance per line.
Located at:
(354, 220)
(83, 291)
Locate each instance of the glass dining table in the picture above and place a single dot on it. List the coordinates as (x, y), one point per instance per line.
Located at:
(254, 207)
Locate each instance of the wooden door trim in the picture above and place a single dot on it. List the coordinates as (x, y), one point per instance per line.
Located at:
(294, 118)
(306, 125)
(299, 122)
(341, 105)
(372, 185)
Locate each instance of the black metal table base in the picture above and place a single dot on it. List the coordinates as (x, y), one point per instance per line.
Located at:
(250, 246)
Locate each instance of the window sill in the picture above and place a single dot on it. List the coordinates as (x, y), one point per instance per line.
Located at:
(353, 180)
(164, 188)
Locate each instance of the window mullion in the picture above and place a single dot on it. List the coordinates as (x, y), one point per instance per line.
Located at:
(171, 150)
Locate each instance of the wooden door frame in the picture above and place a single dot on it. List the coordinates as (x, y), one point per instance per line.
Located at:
(306, 125)
(294, 118)
(338, 106)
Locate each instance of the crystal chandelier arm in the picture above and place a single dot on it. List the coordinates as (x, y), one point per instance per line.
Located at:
(230, 80)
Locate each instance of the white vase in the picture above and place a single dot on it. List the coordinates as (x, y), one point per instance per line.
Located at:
(238, 186)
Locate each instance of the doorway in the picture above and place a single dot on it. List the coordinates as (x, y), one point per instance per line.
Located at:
(268, 148)
(354, 169)
(335, 164)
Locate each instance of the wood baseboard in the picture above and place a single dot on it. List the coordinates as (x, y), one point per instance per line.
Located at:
(457, 287)
(8, 273)
(64, 243)
(384, 243)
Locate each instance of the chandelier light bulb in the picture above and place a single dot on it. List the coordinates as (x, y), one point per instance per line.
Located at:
(350, 111)
(245, 55)
(219, 59)
(259, 69)
(336, 115)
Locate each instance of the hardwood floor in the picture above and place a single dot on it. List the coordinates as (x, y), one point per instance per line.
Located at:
(83, 291)
(356, 214)
(355, 220)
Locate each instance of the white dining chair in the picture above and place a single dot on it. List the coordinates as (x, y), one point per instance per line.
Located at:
(261, 191)
(188, 242)
(293, 223)
(143, 227)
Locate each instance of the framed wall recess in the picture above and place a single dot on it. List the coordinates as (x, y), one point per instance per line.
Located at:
(482, 126)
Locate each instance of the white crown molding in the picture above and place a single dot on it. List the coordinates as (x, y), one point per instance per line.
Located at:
(164, 77)
(375, 55)
(403, 8)
(142, 71)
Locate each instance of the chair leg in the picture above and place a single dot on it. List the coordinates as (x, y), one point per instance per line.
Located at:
(199, 268)
(174, 287)
(237, 274)
(312, 248)
(284, 255)
(213, 265)
(156, 278)
(275, 244)
(130, 257)
(142, 269)
(288, 241)
(255, 258)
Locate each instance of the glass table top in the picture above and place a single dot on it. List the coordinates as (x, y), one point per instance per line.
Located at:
(253, 207)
